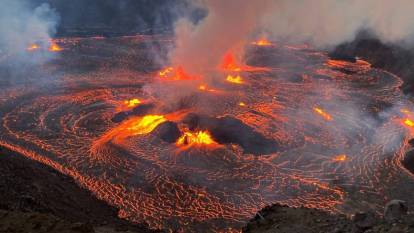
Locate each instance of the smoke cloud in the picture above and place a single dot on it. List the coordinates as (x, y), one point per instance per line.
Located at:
(227, 26)
(21, 25)
(321, 23)
(326, 23)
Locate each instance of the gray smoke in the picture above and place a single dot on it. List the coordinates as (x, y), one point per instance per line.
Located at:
(326, 23)
(321, 23)
(21, 25)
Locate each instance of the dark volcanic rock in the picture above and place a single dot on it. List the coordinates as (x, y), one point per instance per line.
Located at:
(364, 221)
(33, 188)
(408, 161)
(19, 222)
(395, 210)
(411, 142)
(391, 57)
(336, 55)
(167, 131)
(227, 129)
(284, 219)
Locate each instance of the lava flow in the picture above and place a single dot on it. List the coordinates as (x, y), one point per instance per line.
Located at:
(304, 132)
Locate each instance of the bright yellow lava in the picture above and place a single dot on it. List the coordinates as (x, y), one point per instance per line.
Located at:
(409, 122)
(201, 137)
(242, 104)
(165, 71)
(132, 103)
(234, 79)
(146, 125)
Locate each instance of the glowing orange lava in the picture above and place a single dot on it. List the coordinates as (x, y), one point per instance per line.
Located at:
(197, 138)
(262, 42)
(132, 103)
(229, 63)
(204, 87)
(234, 79)
(165, 71)
(54, 47)
(242, 104)
(340, 158)
(33, 47)
(175, 74)
(321, 112)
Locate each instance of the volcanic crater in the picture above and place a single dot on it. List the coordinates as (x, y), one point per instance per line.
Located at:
(289, 128)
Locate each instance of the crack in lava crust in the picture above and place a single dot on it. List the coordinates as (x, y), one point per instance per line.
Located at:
(217, 189)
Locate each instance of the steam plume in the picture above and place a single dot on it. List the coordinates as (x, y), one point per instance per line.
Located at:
(227, 25)
(322, 23)
(20, 25)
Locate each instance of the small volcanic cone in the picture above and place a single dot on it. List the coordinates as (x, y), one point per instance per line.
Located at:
(225, 130)
(167, 131)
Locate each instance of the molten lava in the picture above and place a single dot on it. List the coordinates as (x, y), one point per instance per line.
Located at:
(242, 104)
(229, 63)
(146, 125)
(409, 122)
(175, 74)
(340, 158)
(262, 42)
(33, 47)
(54, 47)
(165, 71)
(132, 103)
(204, 87)
(234, 79)
(321, 112)
(197, 138)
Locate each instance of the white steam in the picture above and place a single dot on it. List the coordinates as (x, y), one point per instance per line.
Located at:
(20, 25)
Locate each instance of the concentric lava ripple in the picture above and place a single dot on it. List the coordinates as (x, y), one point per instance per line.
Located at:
(347, 163)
